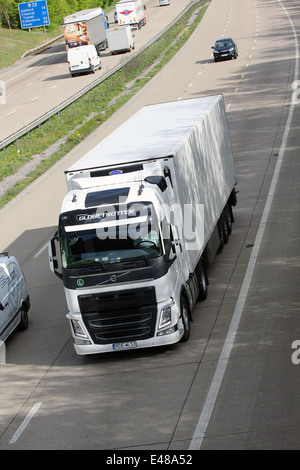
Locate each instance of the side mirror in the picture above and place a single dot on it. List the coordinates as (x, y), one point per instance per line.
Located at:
(53, 262)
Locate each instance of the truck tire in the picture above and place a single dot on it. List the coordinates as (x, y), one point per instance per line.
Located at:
(185, 317)
(232, 198)
(225, 228)
(203, 283)
(221, 235)
(229, 217)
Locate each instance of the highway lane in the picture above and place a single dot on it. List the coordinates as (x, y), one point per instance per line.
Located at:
(153, 399)
(38, 83)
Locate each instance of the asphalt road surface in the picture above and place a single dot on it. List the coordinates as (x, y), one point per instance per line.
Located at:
(235, 383)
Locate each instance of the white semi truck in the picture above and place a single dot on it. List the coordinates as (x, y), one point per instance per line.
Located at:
(131, 13)
(147, 210)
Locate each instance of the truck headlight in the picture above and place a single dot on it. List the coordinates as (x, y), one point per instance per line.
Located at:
(77, 328)
(165, 316)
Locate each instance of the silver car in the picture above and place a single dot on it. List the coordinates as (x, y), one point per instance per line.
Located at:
(14, 296)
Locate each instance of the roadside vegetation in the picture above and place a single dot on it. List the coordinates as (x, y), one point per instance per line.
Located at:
(80, 119)
(57, 9)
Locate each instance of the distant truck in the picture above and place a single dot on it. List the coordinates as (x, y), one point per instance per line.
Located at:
(163, 2)
(120, 39)
(131, 13)
(86, 27)
(147, 210)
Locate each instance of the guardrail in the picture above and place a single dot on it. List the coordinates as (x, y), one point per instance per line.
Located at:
(52, 112)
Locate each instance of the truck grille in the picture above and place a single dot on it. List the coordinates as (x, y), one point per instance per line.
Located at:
(122, 316)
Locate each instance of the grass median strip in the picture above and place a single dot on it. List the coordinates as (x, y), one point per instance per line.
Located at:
(48, 143)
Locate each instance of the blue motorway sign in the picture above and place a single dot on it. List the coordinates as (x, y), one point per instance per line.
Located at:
(33, 14)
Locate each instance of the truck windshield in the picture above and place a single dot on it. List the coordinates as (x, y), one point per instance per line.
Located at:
(123, 244)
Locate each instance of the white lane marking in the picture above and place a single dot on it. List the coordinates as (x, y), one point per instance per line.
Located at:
(213, 391)
(25, 423)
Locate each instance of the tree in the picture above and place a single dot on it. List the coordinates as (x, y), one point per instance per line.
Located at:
(5, 12)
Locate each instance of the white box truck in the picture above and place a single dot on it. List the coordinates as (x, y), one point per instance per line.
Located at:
(86, 27)
(131, 13)
(146, 212)
(120, 40)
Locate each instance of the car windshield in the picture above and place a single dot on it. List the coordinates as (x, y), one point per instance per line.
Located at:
(223, 43)
(116, 245)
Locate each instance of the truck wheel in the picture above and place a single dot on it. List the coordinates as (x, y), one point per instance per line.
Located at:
(221, 235)
(229, 218)
(185, 317)
(225, 228)
(23, 325)
(202, 278)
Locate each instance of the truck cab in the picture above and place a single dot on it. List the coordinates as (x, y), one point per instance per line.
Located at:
(119, 249)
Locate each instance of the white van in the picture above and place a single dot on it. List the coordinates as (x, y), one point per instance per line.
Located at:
(83, 59)
(14, 297)
(163, 2)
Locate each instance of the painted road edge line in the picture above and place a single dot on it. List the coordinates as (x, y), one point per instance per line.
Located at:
(25, 423)
(213, 391)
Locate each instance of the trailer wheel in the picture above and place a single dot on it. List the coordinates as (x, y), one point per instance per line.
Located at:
(185, 317)
(228, 218)
(221, 235)
(225, 227)
(202, 278)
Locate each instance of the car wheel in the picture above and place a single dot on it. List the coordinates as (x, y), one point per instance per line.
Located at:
(23, 325)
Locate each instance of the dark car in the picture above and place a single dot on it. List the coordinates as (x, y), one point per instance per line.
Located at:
(225, 49)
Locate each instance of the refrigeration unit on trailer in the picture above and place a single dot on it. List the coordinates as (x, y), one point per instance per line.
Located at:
(147, 210)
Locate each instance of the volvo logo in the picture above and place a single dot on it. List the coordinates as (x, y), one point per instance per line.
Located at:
(113, 278)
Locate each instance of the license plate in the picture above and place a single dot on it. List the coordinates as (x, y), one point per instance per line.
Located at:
(121, 346)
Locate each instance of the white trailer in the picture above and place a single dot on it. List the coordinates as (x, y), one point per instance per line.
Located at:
(131, 13)
(147, 210)
(120, 39)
